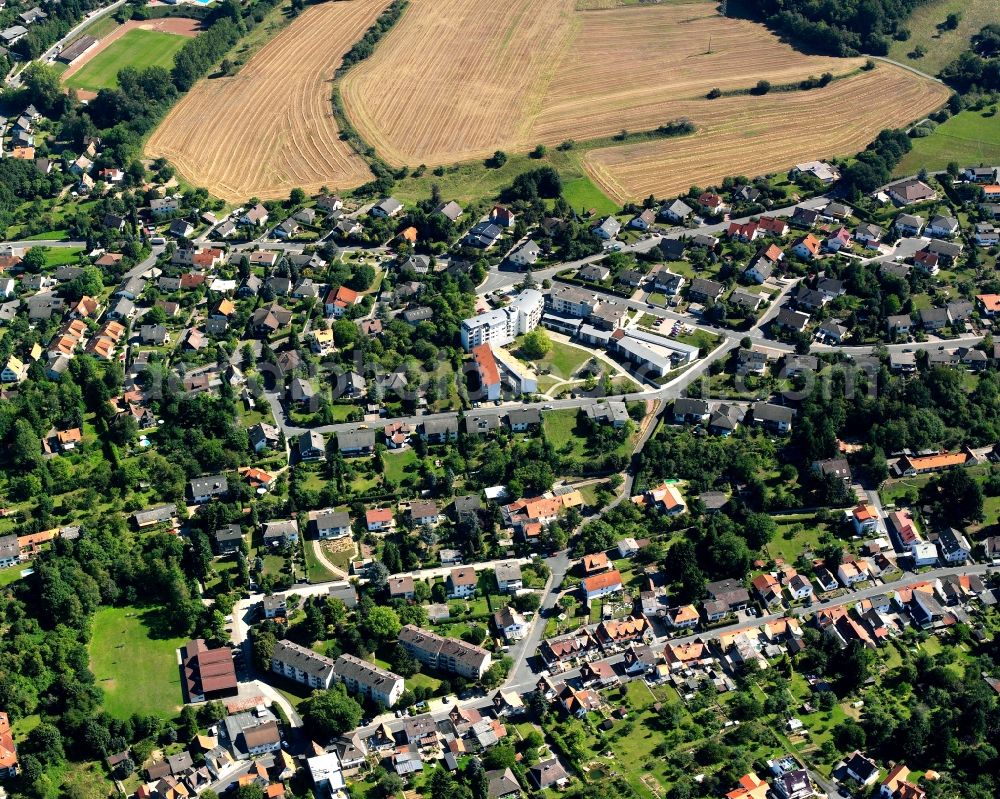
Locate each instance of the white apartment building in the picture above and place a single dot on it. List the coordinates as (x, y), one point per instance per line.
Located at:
(502, 326)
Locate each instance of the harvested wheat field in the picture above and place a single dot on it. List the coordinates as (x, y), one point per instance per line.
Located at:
(270, 128)
(749, 135)
(457, 79)
(541, 71)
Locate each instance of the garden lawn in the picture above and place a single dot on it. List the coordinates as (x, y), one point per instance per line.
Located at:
(60, 256)
(788, 546)
(134, 659)
(10, 575)
(561, 429)
(318, 573)
(138, 48)
(397, 466)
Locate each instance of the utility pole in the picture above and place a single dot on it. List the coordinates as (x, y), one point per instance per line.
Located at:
(709, 44)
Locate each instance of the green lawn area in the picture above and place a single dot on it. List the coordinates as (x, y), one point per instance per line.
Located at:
(137, 48)
(134, 659)
(561, 428)
(59, 256)
(561, 361)
(10, 575)
(341, 558)
(789, 542)
(582, 195)
(969, 138)
(700, 338)
(420, 680)
(397, 466)
(316, 570)
(49, 235)
(941, 46)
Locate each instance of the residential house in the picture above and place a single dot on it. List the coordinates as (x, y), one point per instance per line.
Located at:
(933, 318)
(703, 290)
(600, 585)
(807, 247)
(899, 324)
(688, 410)
(203, 489)
(794, 321)
(644, 220)
(525, 255)
(508, 577)
(461, 582)
(607, 229)
(909, 224)
(906, 192)
(676, 211)
(357, 442)
(776, 418)
(548, 774)
(331, 524)
(861, 768)
(227, 540)
(868, 234)
(953, 546)
(379, 520)
(510, 624)
(255, 217)
(278, 533)
(986, 234)
(439, 431)
(401, 587)
(424, 513)
(711, 203)
(942, 226)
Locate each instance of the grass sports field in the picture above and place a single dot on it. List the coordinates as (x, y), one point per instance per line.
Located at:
(137, 48)
(970, 138)
(135, 663)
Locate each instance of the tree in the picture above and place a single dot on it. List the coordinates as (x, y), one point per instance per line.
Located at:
(762, 87)
(389, 784)
(331, 713)
(296, 196)
(250, 791)
(46, 743)
(382, 622)
(536, 344)
(26, 448)
(34, 259)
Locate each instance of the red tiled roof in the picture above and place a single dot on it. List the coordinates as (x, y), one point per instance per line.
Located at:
(599, 582)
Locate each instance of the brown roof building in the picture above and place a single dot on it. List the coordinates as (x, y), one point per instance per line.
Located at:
(208, 673)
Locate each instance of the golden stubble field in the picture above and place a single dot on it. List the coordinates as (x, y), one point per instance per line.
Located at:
(270, 128)
(752, 136)
(457, 79)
